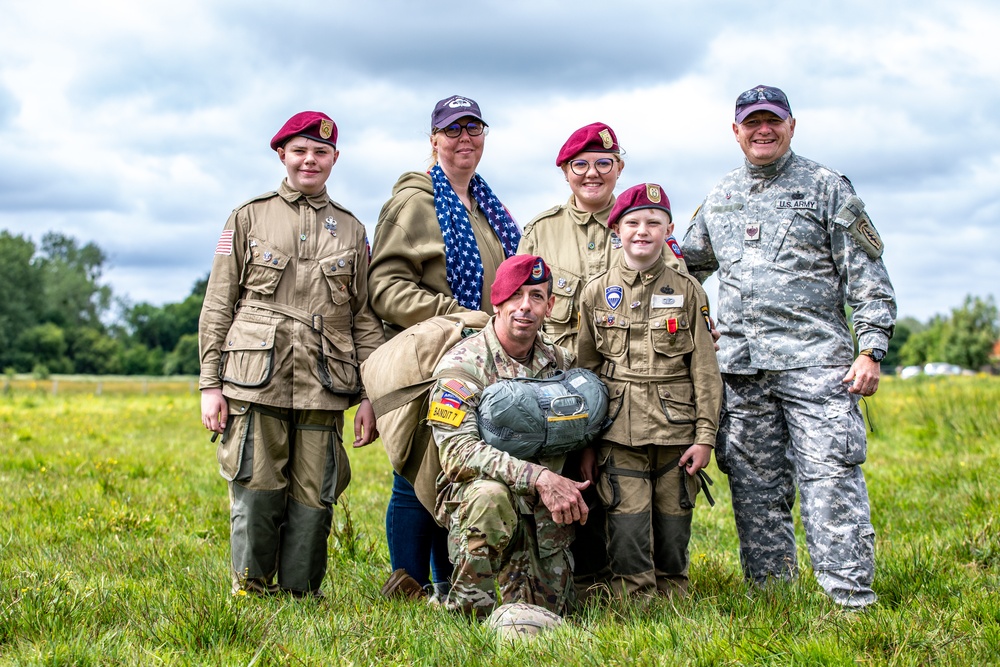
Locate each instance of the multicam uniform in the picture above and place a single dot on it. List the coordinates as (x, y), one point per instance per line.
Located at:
(646, 334)
(500, 532)
(293, 267)
(576, 245)
(793, 245)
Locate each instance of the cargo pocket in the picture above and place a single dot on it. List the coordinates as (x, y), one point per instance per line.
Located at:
(565, 287)
(677, 401)
(248, 354)
(337, 365)
(611, 333)
(690, 485)
(235, 452)
(338, 269)
(847, 425)
(670, 336)
(264, 267)
(338, 469)
(608, 489)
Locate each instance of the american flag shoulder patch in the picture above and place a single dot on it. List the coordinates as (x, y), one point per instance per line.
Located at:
(456, 387)
(225, 244)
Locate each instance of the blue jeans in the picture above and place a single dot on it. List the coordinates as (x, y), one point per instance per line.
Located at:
(416, 542)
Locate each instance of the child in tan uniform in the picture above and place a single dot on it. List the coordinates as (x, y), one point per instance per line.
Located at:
(645, 331)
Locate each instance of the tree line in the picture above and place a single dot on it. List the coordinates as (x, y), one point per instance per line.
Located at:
(56, 317)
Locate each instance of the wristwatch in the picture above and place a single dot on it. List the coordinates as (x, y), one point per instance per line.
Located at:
(876, 354)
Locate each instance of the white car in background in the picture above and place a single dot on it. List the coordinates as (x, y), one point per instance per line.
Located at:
(941, 368)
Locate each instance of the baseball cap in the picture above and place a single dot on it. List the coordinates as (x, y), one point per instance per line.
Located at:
(762, 98)
(450, 109)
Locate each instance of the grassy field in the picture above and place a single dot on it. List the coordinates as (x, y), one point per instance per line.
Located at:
(113, 550)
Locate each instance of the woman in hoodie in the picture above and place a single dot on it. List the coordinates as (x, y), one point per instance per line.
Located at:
(438, 243)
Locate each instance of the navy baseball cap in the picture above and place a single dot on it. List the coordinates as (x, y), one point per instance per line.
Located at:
(450, 109)
(762, 98)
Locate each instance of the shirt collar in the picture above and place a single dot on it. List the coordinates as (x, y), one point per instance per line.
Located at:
(584, 217)
(631, 276)
(765, 171)
(291, 195)
(506, 366)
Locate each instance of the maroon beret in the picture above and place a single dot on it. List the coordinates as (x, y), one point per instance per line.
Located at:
(644, 195)
(596, 137)
(516, 271)
(312, 124)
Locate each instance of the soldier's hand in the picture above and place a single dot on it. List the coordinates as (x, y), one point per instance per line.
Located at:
(214, 409)
(863, 376)
(562, 497)
(695, 458)
(364, 424)
(715, 333)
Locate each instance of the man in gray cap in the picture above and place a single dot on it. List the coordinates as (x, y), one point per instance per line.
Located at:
(793, 246)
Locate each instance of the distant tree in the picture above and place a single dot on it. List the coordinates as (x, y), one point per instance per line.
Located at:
(163, 326)
(184, 360)
(95, 353)
(972, 332)
(965, 339)
(45, 344)
(905, 327)
(140, 360)
(19, 303)
(71, 296)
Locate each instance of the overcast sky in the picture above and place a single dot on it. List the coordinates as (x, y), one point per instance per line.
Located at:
(139, 126)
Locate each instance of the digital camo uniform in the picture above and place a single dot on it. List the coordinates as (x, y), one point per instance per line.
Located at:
(646, 334)
(792, 244)
(577, 245)
(287, 364)
(500, 533)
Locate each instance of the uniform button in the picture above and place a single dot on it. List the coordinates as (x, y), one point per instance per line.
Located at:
(591, 245)
(302, 237)
(263, 343)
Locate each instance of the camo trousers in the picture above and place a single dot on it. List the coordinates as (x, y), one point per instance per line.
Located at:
(497, 540)
(801, 427)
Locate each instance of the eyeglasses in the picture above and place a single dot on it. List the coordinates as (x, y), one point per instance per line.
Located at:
(473, 127)
(603, 165)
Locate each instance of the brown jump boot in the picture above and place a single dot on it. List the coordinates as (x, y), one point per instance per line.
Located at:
(401, 585)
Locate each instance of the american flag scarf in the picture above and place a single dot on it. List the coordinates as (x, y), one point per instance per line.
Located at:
(463, 262)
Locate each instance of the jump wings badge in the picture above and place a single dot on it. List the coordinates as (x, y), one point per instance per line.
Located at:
(613, 296)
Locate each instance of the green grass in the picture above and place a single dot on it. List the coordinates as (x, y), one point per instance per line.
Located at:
(114, 546)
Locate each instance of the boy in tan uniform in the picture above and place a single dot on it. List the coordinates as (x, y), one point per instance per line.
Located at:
(285, 324)
(645, 331)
